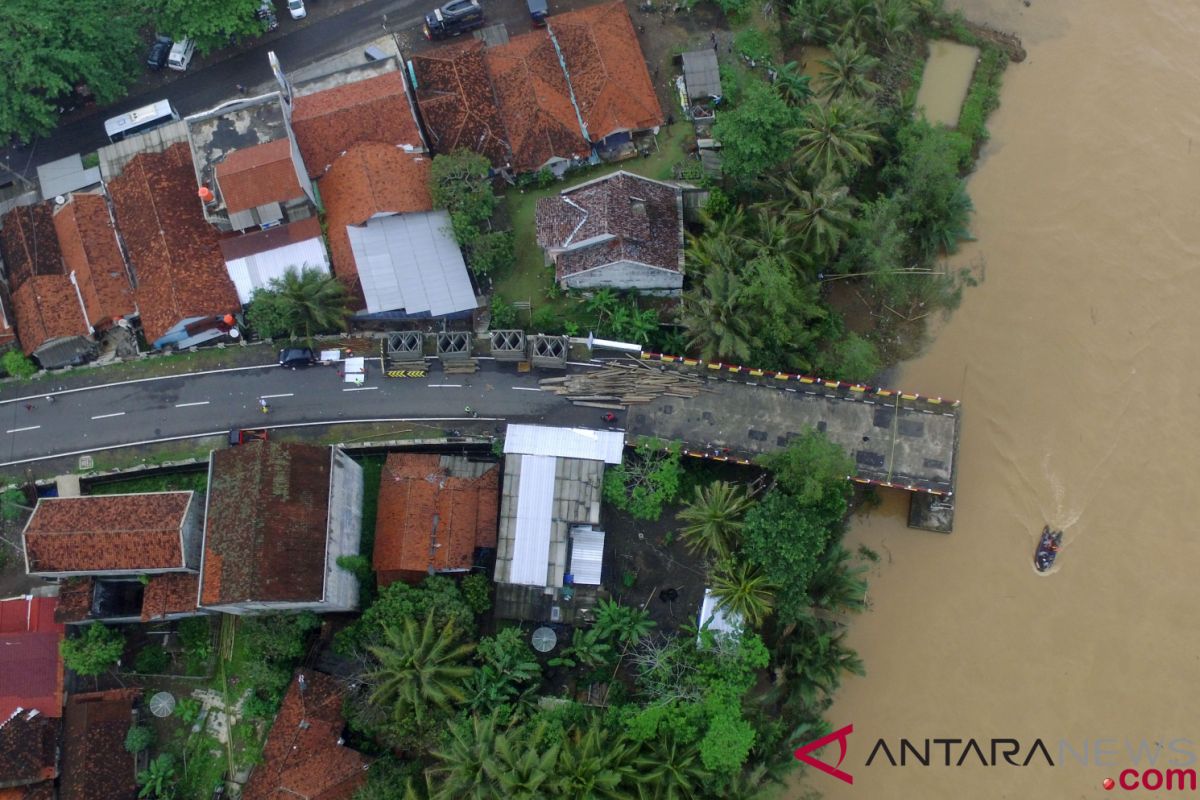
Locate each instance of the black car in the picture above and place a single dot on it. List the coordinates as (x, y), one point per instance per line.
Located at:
(156, 59)
(454, 18)
(295, 357)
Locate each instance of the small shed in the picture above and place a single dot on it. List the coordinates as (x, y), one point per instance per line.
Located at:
(701, 74)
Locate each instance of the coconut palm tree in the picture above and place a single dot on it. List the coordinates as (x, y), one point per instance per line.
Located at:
(522, 765)
(846, 73)
(418, 668)
(822, 216)
(724, 244)
(315, 301)
(597, 765)
(835, 139)
(713, 518)
(462, 763)
(673, 771)
(742, 589)
(792, 84)
(895, 20)
(837, 585)
(808, 667)
(717, 323)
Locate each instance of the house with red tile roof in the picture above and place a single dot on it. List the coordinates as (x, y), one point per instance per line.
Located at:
(392, 249)
(31, 667)
(257, 175)
(305, 755)
(28, 755)
(95, 763)
(621, 231)
(279, 516)
(91, 254)
(370, 104)
(114, 535)
(182, 286)
(545, 99)
(435, 512)
(165, 596)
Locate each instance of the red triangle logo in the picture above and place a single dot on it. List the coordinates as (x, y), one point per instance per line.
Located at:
(802, 753)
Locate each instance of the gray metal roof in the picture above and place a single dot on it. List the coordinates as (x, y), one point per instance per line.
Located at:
(411, 262)
(701, 74)
(66, 175)
(587, 555)
(543, 440)
(718, 619)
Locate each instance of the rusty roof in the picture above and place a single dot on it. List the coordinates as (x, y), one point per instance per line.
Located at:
(265, 534)
(457, 101)
(608, 71)
(616, 218)
(29, 244)
(31, 674)
(74, 599)
(331, 121)
(428, 518)
(302, 757)
(171, 593)
(263, 241)
(89, 248)
(95, 763)
(46, 308)
(101, 533)
(28, 748)
(35, 791)
(535, 101)
(250, 177)
(175, 254)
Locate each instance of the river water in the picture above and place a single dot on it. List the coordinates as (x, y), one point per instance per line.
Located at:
(1076, 360)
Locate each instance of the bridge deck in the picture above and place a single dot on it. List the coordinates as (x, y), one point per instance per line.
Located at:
(896, 439)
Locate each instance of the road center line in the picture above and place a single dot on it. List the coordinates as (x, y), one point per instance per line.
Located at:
(185, 405)
(360, 389)
(106, 416)
(445, 385)
(18, 430)
(525, 388)
(269, 396)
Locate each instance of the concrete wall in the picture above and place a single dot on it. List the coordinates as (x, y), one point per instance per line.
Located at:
(626, 275)
(344, 533)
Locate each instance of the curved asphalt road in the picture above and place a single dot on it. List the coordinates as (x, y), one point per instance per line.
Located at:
(34, 428)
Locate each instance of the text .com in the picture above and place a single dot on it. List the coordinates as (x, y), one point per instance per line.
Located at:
(1154, 780)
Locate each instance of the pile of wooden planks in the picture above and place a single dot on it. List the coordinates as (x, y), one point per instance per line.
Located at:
(460, 367)
(618, 385)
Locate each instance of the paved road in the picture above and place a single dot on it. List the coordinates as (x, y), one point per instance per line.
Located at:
(213, 403)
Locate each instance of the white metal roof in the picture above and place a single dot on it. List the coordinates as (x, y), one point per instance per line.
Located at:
(411, 262)
(718, 619)
(66, 175)
(535, 505)
(587, 555)
(541, 440)
(256, 271)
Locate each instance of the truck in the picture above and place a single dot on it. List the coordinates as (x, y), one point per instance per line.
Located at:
(454, 18)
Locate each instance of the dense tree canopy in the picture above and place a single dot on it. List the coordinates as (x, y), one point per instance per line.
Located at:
(210, 24)
(756, 134)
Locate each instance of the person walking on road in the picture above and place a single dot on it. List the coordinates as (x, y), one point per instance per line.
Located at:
(262, 404)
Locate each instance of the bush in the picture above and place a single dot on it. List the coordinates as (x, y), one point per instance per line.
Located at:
(504, 314)
(982, 99)
(398, 602)
(489, 252)
(151, 660)
(95, 650)
(546, 320)
(644, 482)
(11, 503)
(188, 710)
(17, 365)
(195, 635)
(545, 178)
(268, 314)
(477, 591)
(139, 738)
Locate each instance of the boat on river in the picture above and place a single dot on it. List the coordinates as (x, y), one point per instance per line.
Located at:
(1047, 549)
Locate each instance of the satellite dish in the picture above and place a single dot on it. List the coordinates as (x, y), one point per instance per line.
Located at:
(60, 200)
(162, 704)
(234, 333)
(544, 639)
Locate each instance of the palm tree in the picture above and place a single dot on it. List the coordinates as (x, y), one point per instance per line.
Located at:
(418, 668)
(894, 20)
(742, 589)
(462, 764)
(835, 139)
(626, 624)
(792, 84)
(671, 770)
(315, 301)
(596, 765)
(846, 72)
(836, 585)
(754, 784)
(809, 667)
(723, 246)
(713, 518)
(822, 216)
(717, 324)
(522, 766)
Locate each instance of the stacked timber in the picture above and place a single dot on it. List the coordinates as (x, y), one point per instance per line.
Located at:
(463, 367)
(619, 385)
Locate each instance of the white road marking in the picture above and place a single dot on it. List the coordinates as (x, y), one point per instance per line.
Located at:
(445, 385)
(186, 405)
(106, 416)
(525, 388)
(18, 430)
(269, 396)
(360, 389)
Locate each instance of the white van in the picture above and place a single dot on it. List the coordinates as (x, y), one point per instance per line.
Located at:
(181, 54)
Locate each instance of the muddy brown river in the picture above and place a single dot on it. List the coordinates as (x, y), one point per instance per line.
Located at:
(1076, 360)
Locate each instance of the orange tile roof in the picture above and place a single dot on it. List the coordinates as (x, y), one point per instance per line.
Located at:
(535, 101)
(608, 71)
(254, 176)
(31, 668)
(29, 244)
(302, 757)
(172, 593)
(89, 248)
(74, 599)
(458, 103)
(46, 307)
(175, 253)
(95, 763)
(28, 749)
(427, 518)
(328, 122)
(101, 533)
(370, 179)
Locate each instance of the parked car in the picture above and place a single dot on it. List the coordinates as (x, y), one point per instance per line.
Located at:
(160, 51)
(295, 357)
(242, 435)
(296, 9)
(454, 18)
(181, 55)
(538, 9)
(267, 12)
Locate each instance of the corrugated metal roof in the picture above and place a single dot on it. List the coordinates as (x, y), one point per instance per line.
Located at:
(65, 176)
(718, 619)
(535, 503)
(587, 555)
(411, 262)
(701, 73)
(540, 440)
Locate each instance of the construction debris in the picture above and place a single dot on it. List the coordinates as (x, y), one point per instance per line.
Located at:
(622, 384)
